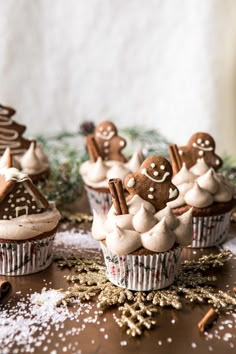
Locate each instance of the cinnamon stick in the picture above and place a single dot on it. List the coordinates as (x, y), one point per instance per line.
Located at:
(5, 288)
(92, 147)
(175, 158)
(208, 319)
(118, 196)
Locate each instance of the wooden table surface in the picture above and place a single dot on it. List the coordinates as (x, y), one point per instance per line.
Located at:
(176, 330)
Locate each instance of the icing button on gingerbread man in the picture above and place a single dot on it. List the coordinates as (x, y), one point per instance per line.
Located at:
(109, 142)
(152, 182)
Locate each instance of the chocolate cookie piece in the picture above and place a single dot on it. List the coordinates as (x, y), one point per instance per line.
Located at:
(200, 145)
(109, 142)
(152, 182)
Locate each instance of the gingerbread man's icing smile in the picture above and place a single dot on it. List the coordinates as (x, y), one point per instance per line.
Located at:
(156, 173)
(105, 135)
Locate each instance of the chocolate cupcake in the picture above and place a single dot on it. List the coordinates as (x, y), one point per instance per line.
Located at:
(28, 223)
(141, 243)
(203, 189)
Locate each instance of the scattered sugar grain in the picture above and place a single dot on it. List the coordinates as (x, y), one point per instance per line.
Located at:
(173, 321)
(159, 342)
(28, 323)
(123, 343)
(194, 345)
(169, 340)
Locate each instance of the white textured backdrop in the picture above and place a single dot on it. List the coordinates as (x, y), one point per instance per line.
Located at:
(166, 64)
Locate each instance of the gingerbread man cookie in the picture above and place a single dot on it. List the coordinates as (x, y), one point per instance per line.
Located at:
(109, 142)
(152, 182)
(200, 145)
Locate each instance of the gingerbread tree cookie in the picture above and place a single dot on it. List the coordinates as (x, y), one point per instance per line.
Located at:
(200, 145)
(152, 182)
(11, 132)
(109, 142)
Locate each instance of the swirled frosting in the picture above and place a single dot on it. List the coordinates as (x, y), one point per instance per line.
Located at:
(97, 174)
(141, 227)
(28, 226)
(205, 187)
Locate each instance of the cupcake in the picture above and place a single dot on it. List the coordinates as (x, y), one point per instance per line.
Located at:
(203, 189)
(27, 155)
(106, 162)
(140, 238)
(28, 223)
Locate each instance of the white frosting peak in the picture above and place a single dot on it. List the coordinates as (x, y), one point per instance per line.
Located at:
(171, 220)
(184, 230)
(183, 176)
(123, 221)
(136, 201)
(143, 220)
(200, 167)
(159, 239)
(208, 181)
(135, 161)
(198, 198)
(30, 163)
(98, 229)
(117, 170)
(122, 241)
(98, 170)
(41, 154)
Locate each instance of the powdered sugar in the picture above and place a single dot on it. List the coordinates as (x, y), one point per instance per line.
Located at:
(68, 240)
(29, 323)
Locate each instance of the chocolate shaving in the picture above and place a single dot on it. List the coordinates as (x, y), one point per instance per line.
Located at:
(5, 289)
(208, 319)
(175, 158)
(118, 196)
(92, 147)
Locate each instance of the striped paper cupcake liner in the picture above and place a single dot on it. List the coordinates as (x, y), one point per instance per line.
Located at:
(142, 272)
(209, 231)
(98, 201)
(25, 257)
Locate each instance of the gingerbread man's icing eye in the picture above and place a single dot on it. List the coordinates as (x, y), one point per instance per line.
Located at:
(199, 140)
(152, 165)
(162, 167)
(207, 142)
(109, 128)
(101, 129)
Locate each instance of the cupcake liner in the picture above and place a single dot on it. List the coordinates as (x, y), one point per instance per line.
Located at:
(99, 201)
(210, 231)
(142, 272)
(25, 257)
